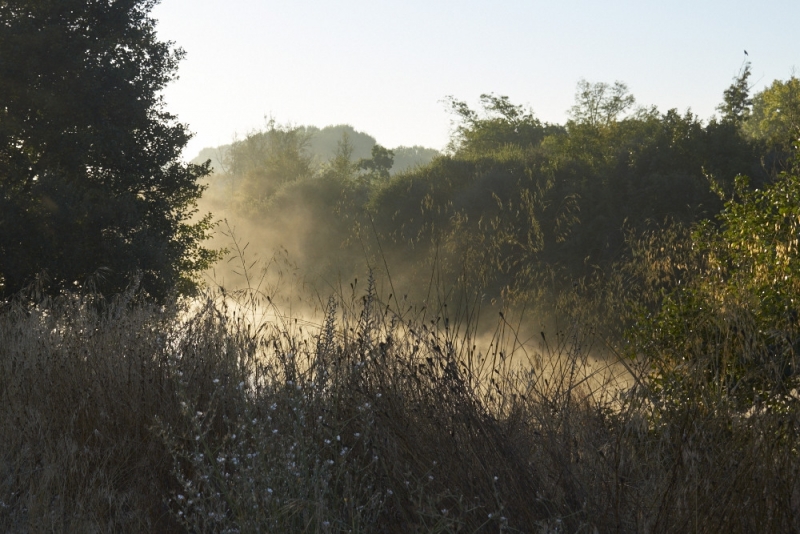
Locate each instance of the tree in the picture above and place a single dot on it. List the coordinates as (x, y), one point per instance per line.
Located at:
(735, 107)
(598, 104)
(265, 160)
(501, 124)
(775, 119)
(378, 167)
(341, 166)
(92, 188)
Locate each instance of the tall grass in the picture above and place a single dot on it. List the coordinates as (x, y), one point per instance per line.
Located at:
(194, 417)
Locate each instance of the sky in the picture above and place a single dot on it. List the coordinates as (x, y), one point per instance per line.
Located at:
(386, 67)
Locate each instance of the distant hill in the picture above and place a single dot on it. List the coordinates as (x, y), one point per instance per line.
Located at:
(322, 147)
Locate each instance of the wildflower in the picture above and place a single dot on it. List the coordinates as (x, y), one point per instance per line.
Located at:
(389, 492)
(444, 511)
(273, 407)
(274, 430)
(216, 380)
(269, 490)
(430, 478)
(357, 434)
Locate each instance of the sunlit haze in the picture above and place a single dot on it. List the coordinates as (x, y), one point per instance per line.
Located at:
(385, 67)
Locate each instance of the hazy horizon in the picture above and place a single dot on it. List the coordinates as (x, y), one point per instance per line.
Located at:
(385, 68)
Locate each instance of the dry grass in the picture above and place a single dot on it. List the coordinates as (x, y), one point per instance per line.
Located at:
(130, 417)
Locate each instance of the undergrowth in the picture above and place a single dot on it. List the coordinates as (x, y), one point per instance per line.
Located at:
(195, 417)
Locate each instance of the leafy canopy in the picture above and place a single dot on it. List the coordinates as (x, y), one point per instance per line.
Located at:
(92, 188)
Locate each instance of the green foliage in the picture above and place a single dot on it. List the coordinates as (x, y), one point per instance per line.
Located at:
(378, 166)
(775, 119)
(735, 319)
(736, 104)
(600, 104)
(265, 160)
(92, 189)
(341, 166)
(518, 208)
(501, 123)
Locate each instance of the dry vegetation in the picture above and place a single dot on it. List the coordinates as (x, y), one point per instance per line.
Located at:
(126, 416)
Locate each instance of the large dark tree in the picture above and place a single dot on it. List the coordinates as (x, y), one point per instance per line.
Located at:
(92, 188)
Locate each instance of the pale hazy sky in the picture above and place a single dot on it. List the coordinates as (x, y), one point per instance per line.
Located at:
(385, 67)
